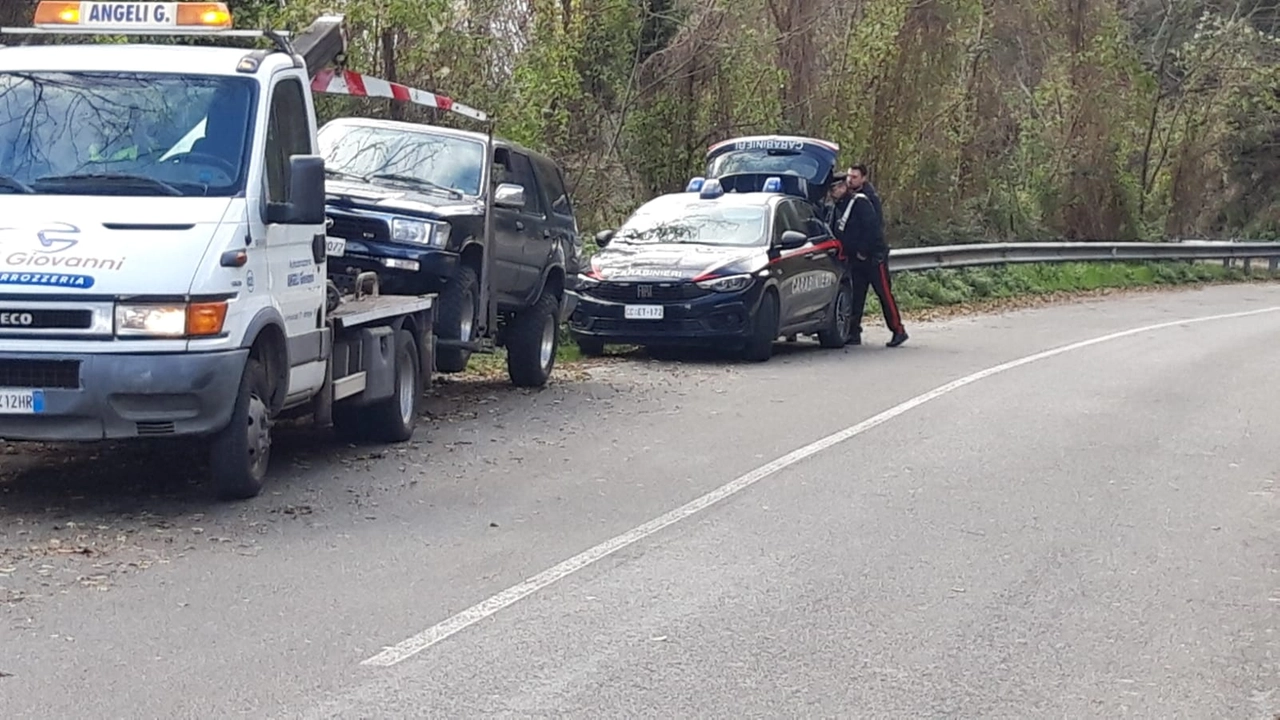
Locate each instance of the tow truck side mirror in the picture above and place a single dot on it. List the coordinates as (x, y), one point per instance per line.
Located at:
(792, 239)
(509, 196)
(603, 237)
(306, 194)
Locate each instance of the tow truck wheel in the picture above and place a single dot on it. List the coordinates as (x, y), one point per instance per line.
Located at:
(459, 313)
(532, 342)
(242, 450)
(391, 419)
(764, 330)
(840, 321)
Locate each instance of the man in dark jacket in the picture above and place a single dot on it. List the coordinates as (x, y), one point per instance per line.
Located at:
(860, 228)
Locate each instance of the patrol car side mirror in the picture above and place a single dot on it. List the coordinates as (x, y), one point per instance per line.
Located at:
(306, 194)
(603, 237)
(509, 196)
(792, 239)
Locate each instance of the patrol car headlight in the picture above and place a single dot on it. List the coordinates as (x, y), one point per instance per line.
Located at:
(586, 281)
(729, 283)
(419, 232)
(170, 319)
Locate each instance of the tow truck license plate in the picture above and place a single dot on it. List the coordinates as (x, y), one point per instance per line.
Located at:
(16, 401)
(335, 247)
(642, 312)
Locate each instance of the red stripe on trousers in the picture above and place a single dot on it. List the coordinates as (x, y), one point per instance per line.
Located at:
(888, 295)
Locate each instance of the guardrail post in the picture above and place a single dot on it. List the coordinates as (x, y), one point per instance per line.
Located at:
(1248, 265)
(1272, 264)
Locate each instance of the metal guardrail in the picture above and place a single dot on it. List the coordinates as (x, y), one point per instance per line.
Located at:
(958, 256)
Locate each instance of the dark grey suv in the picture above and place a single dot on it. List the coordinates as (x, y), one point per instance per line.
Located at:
(410, 202)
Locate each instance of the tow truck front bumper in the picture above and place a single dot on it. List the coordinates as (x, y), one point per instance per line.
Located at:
(78, 397)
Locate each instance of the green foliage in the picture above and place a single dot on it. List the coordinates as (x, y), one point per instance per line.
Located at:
(1019, 119)
(937, 288)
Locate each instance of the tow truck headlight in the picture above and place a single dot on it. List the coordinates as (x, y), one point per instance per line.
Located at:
(419, 232)
(729, 283)
(171, 320)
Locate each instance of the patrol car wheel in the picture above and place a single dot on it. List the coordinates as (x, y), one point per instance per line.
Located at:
(764, 330)
(839, 321)
(532, 342)
(241, 451)
(459, 313)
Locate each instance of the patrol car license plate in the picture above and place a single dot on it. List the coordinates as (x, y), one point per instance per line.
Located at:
(642, 312)
(335, 247)
(14, 401)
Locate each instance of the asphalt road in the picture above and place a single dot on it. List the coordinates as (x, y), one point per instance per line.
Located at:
(1093, 534)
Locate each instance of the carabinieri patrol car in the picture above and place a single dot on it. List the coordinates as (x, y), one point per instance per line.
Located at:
(706, 267)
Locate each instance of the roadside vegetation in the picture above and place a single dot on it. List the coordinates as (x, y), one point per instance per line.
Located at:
(980, 119)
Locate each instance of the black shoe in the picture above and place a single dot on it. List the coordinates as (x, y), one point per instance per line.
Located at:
(855, 339)
(898, 339)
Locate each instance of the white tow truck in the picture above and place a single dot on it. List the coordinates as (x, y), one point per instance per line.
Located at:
(163, 253)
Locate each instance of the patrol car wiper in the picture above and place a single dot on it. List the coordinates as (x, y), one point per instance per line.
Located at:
(11, 183)
(115, 179)
(411, 180)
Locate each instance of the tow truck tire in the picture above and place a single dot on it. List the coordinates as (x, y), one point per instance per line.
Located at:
(241, 451)
(764, 330)
(532, 343)
(392, 419)
(590, 346)
(459, 314)
(839, 326)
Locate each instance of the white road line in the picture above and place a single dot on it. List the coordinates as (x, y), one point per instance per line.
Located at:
(416, 644)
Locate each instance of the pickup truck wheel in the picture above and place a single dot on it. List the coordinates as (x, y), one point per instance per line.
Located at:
(241, 451)
(532, 342)
(459, 312)
(391, 419)
(839, 326)
(764, 330)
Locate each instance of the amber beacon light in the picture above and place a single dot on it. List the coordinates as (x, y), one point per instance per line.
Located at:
(125, 16)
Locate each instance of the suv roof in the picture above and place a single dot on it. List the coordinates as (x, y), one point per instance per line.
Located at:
(424, 128)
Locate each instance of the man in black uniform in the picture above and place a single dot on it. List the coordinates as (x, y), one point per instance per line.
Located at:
(860, 229)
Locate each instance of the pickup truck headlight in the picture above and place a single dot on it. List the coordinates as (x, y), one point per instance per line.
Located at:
(728, 283)
(419, 232)
(170, 320)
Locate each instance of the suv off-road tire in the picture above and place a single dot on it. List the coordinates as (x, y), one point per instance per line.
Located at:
(764, 330)
(241, 451)
(835, 334)
(531, 353)
(460, 301)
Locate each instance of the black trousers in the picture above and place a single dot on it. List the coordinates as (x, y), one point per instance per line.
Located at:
(873, 273)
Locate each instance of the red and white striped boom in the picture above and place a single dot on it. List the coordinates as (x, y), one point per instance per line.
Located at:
(345, 82)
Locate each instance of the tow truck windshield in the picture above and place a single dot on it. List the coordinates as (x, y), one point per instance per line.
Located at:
(682, 218)
(114, 133)
(427, 161)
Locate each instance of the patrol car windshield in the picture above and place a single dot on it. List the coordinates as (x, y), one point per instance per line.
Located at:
(429, 162)
(116, 133)
(688, 219)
